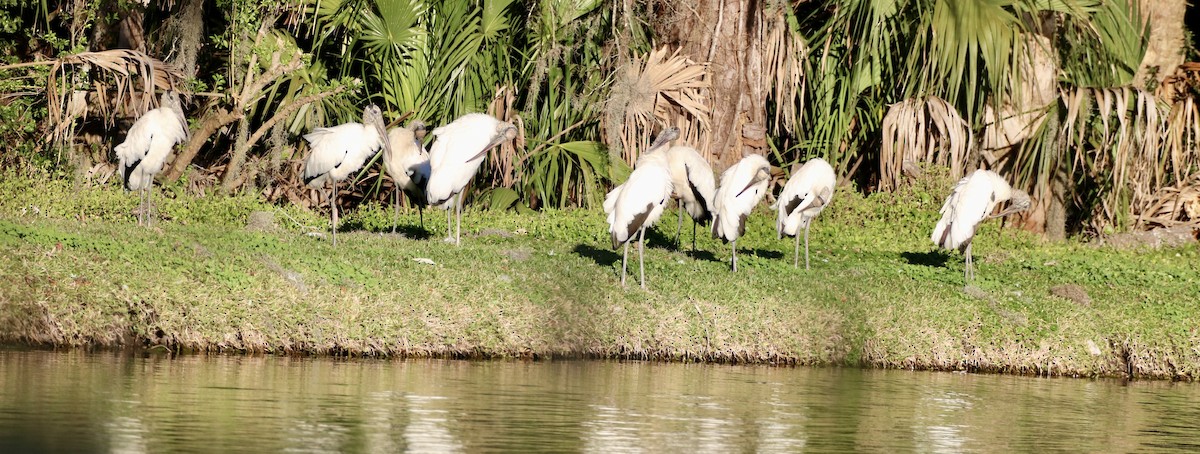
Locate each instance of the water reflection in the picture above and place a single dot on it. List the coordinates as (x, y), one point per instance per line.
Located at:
(110, 402)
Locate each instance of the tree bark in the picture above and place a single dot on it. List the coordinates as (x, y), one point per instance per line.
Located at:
(728, 35)
(209, 125)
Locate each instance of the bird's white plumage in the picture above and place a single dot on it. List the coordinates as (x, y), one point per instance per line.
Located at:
(732, 204)
(973, 199)
(408, 162)
(692, 180)
(639, 201)
(452, 160)
(149, 143)
(339, 151)
(806, 193)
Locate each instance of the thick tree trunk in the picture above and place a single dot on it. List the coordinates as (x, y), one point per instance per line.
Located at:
(728, 34)
(1164, 52)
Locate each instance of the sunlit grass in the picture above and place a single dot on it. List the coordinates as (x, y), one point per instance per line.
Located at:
(78, 271)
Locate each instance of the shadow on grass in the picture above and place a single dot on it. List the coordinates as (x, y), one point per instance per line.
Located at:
(762, 253)
(932, 258)
(602, 257)
(700, 254)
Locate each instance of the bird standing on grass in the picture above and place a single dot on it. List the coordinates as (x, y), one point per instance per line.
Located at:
(147, 145)
(972, 202)
(806, 193)
(694, 187)
(460, 148)
(637, 204)
(339, 151)
(407, 162)
(742, 186)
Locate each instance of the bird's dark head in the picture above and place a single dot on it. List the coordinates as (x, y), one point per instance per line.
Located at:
(664, 137)
(505, 131)
(761, 174)
(418, 128)
(373, 117)
(1019, 201)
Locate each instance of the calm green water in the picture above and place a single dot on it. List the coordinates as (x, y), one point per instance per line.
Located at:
(87, 402)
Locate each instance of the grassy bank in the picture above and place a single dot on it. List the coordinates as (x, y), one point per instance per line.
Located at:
(76, 271)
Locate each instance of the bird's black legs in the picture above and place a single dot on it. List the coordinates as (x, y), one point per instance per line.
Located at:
(421, 213)
(641, 256)
(694, 223)
(141, 216)
(449, 224)
(679, 230)
(333, 222)
(150, 204)
(734, 260)
(806, 247)
(624, 263)
(796, 253)
(969, 272)
(396, 209)
(458, 220)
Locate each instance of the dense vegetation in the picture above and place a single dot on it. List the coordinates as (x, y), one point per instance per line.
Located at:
(1053, 94)
(74, 271)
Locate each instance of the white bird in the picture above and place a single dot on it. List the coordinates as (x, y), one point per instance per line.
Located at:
(637, 204)
(742, 186)
(972, 202)
(407, 162)
(339, 151)
(806, 193)
(148, 144)
(694, 187)
(460, 148)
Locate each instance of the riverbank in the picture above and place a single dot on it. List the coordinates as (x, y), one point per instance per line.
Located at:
(76, 271)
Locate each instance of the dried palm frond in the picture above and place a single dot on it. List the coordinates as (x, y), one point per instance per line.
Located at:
(123, 84)
(925, 130)
(502, 161)
(1175, 205)
(656, 90)
(784, 53)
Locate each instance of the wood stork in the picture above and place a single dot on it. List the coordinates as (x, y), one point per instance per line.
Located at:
(637, 204)
(694, 187)
(460, 148)
(148, 144)
(742, 186)
(339, 151)
(806, 193)
(407, 162)
(972, 202)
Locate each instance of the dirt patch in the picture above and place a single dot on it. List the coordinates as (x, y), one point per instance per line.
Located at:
(1072, 292)
(260, 221)
(518, 254)
(1165, 237)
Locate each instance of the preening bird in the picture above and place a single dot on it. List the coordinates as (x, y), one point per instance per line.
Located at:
(806, 193)
(637, 204)
(407, 162)
(742, 186)
(694, 187)
(972, 202)
(460, 148)
(148, 144)
(339, 151)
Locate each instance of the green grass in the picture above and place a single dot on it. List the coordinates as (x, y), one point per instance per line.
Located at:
(78, 272)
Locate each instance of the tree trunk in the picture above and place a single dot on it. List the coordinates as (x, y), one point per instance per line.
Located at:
(1164, 51)
(209, 125)
(1056, 207)
(238, 159)
(728, 35)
